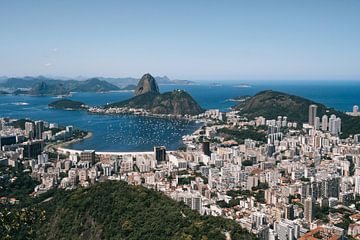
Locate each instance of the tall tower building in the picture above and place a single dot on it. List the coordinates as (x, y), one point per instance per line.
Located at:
(357, 185)
(312, 114)
(206, 148)
(324, 123)
(317, 123)
(160, 153)
(289, 212)
(29, 130)
(39, 128)
(332, 127)
(309, 209)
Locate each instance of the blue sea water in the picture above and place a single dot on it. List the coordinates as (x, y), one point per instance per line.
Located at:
(134, 133)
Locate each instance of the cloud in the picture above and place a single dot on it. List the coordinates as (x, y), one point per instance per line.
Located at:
(48, 64)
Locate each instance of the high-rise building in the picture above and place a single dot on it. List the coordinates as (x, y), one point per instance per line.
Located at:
(39, 128)
(312, 114)
(338, 125)
(286, 230)
(289, 212)
(334, 124)
(30, 130)
(309, 209)
(206, 148)
(88, 156)
(324, 123)
(357, 185)
(160, 153)
(7, 140)
(32, 148)
(317, 123)
(357, 138)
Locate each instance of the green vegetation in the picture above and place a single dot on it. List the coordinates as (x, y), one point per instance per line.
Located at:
(260, 196)
(21, 123)
(116, 210)
(237, 193)
(175, 102)
(261, 186)
(271, 104)
(240, 135)
(185, 181)
(322, 213)
(18, 223)
(247, 163)
(16, 182)
(67, 104)
(232, 203)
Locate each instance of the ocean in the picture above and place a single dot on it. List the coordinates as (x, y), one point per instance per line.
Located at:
(136, 133)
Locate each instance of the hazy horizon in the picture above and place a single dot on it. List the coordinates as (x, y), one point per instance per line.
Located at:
(198, 41)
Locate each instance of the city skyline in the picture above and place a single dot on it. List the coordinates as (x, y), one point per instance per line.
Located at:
(205, 40)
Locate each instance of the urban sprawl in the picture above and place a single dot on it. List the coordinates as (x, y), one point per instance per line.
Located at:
(300, 182)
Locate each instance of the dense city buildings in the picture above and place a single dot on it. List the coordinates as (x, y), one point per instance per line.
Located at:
(277, 178)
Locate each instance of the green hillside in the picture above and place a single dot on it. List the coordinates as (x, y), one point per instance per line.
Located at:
(271, 104)
(116, 210)
(175, 102)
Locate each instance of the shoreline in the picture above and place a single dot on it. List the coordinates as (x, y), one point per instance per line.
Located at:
(158, 116)
(63, 148)
(65, 144)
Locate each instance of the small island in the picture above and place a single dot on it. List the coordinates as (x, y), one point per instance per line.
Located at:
(67, 104)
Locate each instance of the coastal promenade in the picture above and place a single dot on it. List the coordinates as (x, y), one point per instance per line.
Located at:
(78, 152)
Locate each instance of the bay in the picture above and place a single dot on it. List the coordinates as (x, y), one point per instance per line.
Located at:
(135, 133)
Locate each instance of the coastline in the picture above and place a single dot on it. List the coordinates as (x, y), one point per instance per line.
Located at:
(56, 146)
(63, 147)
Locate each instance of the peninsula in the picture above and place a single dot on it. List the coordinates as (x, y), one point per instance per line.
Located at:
(148, 98)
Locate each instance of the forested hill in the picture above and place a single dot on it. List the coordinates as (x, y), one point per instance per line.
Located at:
(271, 104)
(116, 210)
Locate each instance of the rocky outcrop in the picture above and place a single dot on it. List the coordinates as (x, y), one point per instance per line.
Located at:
(147, 84)
(147, 96)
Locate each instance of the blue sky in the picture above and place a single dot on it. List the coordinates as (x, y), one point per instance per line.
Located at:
(188, 39)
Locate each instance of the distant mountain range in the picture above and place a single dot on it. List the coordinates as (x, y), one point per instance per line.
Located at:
(123, 82)
(49, 86)
(45, 86)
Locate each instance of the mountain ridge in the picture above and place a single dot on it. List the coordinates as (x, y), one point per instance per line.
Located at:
(47, 86)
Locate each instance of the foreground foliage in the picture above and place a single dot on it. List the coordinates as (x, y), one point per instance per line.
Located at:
(116, 210)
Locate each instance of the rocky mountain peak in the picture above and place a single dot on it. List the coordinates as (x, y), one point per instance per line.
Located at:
(146, 84)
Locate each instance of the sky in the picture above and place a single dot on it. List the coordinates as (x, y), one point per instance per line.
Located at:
(187, 39)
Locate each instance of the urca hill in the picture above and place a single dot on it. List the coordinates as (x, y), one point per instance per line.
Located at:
(148, 96)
